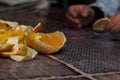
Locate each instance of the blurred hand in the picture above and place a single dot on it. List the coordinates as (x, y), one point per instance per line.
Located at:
(114, 25)
(80, 15)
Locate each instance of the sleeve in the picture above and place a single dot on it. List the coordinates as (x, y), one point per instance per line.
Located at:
(98, 13)
(107, 7)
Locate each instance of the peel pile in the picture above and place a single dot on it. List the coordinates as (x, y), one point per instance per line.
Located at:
(23, 42)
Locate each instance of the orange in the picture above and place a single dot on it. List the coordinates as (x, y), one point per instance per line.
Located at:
(21, 42)
(99, 25)
(46, 43)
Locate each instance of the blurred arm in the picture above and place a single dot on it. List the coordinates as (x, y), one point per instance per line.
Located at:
(108, 7)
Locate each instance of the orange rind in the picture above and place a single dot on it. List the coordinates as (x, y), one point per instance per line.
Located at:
(29, 54)
(23, 42)
(38, 27)
(46, 43)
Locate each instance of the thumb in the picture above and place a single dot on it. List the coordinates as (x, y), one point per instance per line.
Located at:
(86, 11)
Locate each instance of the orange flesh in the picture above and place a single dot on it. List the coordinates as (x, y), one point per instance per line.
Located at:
(51, 40)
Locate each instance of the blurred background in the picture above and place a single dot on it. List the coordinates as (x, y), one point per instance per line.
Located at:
(63, 4)
(9, 5)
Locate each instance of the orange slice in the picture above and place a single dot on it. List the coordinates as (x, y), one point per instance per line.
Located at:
(99, 25)
(46, 43)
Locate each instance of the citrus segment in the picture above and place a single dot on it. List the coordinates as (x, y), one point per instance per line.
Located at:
(99, 25)
(48, 43)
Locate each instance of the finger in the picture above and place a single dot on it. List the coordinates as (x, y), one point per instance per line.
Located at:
(73, 11)
(114, 21)
(72, 25)
(74, 21)
(85, 11)
(115, 29)
(109, 26)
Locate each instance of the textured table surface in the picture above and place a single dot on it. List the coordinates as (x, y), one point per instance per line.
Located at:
(85, 56)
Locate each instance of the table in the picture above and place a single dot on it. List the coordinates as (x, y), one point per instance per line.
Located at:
(85, 56)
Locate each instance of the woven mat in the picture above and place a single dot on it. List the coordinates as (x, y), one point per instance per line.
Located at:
(91, 56)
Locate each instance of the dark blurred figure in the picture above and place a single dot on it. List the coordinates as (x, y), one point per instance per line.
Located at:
(63, 4)
(81, 15)
(10, 5)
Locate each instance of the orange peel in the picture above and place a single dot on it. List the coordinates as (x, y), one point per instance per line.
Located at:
(38, 27)
(23, 42)
(6, 47)
(46, 43)
(14, 49)
(29, 54)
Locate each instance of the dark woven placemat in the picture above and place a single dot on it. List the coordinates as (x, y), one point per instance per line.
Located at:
(108, 36)
(41, 66)
(108, 77)
(72, 79)
(91, 56)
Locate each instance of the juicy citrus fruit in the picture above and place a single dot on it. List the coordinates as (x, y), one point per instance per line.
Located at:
(21, 42)
(37, 28)
(46, 43)
(99, 25)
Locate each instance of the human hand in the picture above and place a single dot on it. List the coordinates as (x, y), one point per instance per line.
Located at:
(80, 15)
(114, 24)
